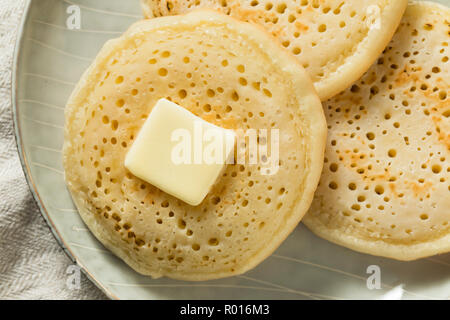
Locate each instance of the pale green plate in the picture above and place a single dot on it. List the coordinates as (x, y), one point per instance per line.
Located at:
(49, 61)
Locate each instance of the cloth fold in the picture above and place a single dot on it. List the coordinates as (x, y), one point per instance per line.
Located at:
(32, 264)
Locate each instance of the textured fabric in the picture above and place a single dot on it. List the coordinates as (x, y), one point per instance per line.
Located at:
(32, 264)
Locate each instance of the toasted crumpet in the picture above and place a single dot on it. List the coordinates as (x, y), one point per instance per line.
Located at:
(335, 40)
(385, 188)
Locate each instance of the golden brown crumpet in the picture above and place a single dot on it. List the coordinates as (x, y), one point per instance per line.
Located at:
(385, 188)
(229, 73)
(335, 40)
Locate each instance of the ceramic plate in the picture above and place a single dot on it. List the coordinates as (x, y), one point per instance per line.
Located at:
(50, 59)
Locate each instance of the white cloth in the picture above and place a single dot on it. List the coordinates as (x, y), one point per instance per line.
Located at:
(32, 264)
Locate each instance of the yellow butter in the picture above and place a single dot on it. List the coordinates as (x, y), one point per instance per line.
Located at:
(179, 152)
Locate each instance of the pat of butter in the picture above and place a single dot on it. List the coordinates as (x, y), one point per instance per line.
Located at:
(179, 152)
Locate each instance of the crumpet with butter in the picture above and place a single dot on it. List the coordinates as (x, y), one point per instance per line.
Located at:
(230, 74)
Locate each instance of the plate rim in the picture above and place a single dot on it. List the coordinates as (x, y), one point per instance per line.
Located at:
(18, 46)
